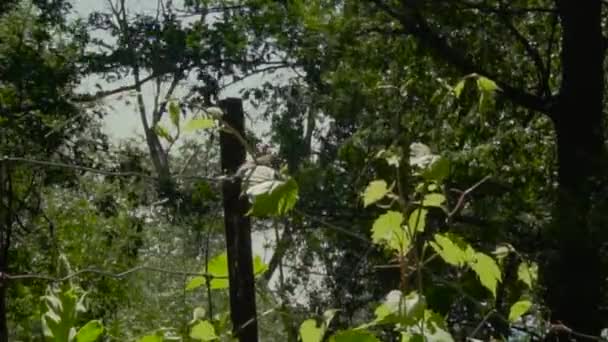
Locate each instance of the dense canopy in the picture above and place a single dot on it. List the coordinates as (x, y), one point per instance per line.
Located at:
(303, 170)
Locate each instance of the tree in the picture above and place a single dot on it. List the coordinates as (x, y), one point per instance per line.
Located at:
(38, 73)
(576, 109)
(534, 52)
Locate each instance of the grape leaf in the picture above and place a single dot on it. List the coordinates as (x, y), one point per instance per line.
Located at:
(519, 309)
(375, 191)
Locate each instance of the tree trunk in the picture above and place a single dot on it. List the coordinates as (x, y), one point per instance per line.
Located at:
(573, 275)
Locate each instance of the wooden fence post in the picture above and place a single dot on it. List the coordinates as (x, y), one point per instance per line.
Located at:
(237, 227)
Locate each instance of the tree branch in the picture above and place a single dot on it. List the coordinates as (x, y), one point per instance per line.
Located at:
(105, 93)
(419, 28)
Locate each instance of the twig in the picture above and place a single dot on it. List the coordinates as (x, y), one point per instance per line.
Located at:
(561, 328)
(104, 172)
(460, 202)
(332, 226)
(483, 321)
(119, 275)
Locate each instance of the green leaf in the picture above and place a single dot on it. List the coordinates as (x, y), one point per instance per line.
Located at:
(195, 283)
(151, 338)
(90, 332)
(417, 220)
(459, 87)
(163, 133)
(519, 309)
(486, 85)
(433, 200)
(174, 112)
(438, 170)
(375, 191)
(387, 231)
(415, 305)
(391, 156)
(328, 315)
(487, 270)
(310, 332)
(63, 307)
(278, 202)
(259, 267)
(354, 336)
(198, 124)
(449, 250)
(203, 331)
(218, 268)
(527, 273)
(435, 328)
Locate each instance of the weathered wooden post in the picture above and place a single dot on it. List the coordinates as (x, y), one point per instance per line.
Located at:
(237, 227)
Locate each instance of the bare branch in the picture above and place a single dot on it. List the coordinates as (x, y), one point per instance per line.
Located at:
(105, 93)
(465, 193)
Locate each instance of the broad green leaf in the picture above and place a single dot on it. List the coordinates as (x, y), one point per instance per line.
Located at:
(415, 305)
(354, 336)
(487, 270)
(417, 220)
(382, 312)
(391, 157)
(174, 112)
(387, 231)
(63, 306)
(90, 332)
(151, 338)
(195, 283)
(277, 202)
(438, 170)
(218, 268)
(527, 273)
(198, 124)
(459, 87)
(435, 328)
(486, 85)
(163, 133)
(310, 332)
(433, 200)
(519, 309)
(388, 311)
(259, 267)
(375, 191)
(448, 250)
(329, 315)
(203, 331)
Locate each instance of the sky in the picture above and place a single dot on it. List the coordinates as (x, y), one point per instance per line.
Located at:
(123, 120)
